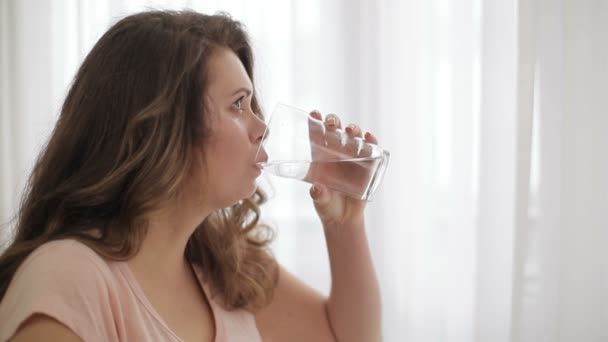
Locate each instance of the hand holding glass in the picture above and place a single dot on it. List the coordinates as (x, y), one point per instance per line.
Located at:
(301, 147)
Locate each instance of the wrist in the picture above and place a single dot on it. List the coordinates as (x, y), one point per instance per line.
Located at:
(352, 223)
(348, 229)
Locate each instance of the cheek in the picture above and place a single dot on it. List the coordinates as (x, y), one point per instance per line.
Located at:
(226, 158)
(233, 158)
(234, 141)
(229, 149)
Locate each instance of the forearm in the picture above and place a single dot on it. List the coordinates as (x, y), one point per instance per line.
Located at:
(354, 304)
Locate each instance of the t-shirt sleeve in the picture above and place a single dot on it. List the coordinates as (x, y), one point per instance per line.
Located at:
(66, 281)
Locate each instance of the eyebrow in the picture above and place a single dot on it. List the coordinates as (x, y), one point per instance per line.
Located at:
(246, 90)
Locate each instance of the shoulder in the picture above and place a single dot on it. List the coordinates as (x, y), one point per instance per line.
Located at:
(67, 250)
(64, 248)
(44, 328)
(64, 280)
(62, 265)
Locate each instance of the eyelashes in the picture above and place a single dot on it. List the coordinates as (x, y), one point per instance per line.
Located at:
(238, 104)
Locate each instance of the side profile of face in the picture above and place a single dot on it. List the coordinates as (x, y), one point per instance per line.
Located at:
(229, 170)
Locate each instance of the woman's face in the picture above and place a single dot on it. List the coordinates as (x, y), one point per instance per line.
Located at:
(229, 169)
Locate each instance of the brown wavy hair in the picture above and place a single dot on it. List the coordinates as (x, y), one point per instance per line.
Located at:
(123, 147)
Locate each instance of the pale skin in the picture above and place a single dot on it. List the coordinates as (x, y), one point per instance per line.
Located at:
(351, 312)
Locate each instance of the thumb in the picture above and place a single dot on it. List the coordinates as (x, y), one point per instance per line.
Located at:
(326, 205)
(320, 194)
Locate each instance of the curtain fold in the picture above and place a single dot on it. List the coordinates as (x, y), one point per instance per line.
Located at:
(6, 172)
(583, 262)
(491, 221)
(27, 84)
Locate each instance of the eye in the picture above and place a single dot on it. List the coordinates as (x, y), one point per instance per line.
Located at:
(238, 104)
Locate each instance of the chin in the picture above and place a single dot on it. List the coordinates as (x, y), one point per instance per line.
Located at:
(251, 191)
(241, 196)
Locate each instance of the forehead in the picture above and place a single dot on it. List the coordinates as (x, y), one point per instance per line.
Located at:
(226, 74)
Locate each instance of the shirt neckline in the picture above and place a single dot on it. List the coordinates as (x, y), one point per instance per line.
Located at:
(141, 296)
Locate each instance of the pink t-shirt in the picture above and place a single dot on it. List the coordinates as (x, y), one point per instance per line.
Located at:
(98, 299)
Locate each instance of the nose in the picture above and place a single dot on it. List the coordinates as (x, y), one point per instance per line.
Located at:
(259, 129)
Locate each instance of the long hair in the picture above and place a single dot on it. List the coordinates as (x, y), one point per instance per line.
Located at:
(124, 144)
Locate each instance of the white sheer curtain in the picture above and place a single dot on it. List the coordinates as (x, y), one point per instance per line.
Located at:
(492, 216)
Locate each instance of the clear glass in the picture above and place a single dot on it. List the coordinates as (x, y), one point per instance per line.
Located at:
(299, 146)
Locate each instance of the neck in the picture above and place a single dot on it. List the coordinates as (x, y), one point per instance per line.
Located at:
(162, 252)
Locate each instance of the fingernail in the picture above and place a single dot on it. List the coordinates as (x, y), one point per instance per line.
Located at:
(315, 190)
(349, 130)
(331, 121)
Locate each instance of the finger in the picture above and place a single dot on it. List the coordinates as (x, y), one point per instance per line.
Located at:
(334, 140)
(353, 146)
(332, 132)
(316, 129)
(354, 141)
(366, 150)
(317, 115)
(332, 122)
(353, 130)
(371, 138)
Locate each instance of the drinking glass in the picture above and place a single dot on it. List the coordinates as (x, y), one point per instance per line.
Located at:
(300, 147)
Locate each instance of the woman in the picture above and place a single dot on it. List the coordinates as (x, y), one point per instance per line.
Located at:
(140, 221)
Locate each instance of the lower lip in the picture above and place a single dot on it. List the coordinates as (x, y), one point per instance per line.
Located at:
(258, 169)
